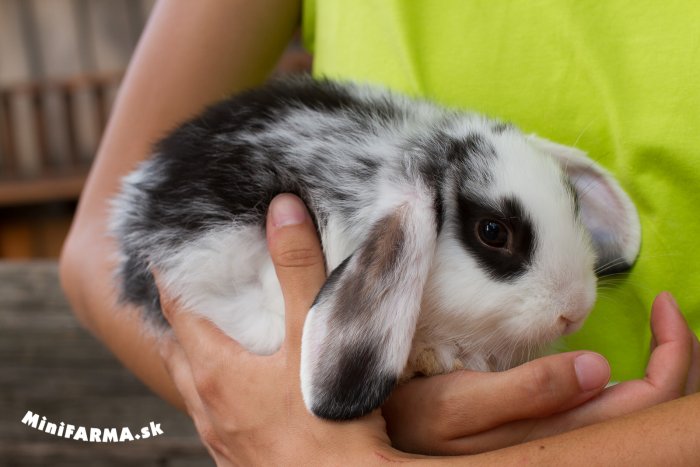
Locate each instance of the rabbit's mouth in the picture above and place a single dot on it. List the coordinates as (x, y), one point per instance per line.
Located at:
(570, 326)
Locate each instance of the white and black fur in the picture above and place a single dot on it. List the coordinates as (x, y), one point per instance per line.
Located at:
(403, 193)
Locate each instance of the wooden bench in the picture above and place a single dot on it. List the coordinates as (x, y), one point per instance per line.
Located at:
(51, 366)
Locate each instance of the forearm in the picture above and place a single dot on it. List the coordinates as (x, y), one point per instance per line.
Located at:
(190, 55)
(92, 296)
(666, 434)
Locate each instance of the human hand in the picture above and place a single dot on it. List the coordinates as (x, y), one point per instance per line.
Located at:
(468, 412)
(247, 408)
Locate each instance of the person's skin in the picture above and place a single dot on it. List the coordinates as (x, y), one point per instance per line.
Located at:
(193, 53)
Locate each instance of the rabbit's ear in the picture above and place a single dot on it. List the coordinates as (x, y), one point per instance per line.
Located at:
(358, 334)
(605, 209)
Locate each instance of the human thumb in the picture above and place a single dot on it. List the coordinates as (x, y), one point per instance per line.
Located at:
(297, 256)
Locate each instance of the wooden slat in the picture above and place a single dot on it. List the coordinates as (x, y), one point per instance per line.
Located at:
(70, 83)
(70, 127)
(101, 106)
(40, 132)
(48, 188)
(51, 366)
(7, 136)
(26, 153)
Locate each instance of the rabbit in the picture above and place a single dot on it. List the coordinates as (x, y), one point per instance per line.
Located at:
(452, 240)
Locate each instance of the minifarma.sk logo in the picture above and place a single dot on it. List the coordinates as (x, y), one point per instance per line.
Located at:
(92, 435)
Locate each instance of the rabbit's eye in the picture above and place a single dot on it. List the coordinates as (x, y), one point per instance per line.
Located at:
(492, 233)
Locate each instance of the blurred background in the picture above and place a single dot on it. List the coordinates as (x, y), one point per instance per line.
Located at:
(60, 66)
(61, 62)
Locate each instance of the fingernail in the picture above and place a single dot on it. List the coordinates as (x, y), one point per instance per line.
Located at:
(287, 210)
(592, 371)
(672, 300)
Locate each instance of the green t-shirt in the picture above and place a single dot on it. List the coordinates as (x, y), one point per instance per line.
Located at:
(619, 79)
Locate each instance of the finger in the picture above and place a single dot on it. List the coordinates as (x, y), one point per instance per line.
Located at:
(296, 253)
(178, 368)
(693, 375)
(670, 361)
(693, 384)
(545, 386)
(669, 373)
(458, 405)
(180, 372)
(168, 304)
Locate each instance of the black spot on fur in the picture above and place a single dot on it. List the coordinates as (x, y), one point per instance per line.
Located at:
(332, 280)
(501, 264)
(368, 166)
(355, 388)
(431, 170)
(439, 206)
(473, 146)
(573, 193)
(469, 158)
(502, 127)
(139, 288)
(270, 102)
(432, 173)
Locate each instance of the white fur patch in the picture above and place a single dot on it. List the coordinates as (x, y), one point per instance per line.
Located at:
(228, 277)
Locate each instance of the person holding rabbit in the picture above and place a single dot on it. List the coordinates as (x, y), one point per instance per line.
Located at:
(617, 85)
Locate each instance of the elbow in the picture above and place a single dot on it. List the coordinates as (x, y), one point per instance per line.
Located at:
(74, 268)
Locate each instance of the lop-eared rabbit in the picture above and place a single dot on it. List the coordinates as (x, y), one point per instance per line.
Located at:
(451, 240)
